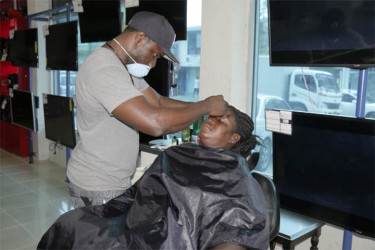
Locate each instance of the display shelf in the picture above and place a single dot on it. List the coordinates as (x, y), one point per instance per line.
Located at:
(13, 138)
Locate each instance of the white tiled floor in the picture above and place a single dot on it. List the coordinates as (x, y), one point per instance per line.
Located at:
(32, 196)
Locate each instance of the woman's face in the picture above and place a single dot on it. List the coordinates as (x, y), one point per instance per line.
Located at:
(218, 132)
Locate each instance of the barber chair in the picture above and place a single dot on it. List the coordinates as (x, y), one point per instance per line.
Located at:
(271, 195)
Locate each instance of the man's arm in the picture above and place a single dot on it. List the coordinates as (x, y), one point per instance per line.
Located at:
(155, 119)
(161, 101)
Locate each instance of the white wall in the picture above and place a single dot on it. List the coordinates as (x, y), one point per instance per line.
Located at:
(36, 6)
(227, 49)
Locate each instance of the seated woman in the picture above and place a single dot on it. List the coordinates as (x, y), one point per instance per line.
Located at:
(192, 197)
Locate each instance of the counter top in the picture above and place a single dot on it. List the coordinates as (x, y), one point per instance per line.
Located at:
(143, 147)
(293, 226)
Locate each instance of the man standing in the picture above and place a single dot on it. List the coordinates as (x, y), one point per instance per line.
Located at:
(114, 103)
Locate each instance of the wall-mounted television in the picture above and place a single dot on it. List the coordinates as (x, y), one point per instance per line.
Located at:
(322, 33)
(175, 11)
(62, 46)
(325, 170)
(59, 119)
(22, 109)
(100, 20)
(23, 48)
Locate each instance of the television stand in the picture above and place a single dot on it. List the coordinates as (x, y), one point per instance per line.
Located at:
(294, 229)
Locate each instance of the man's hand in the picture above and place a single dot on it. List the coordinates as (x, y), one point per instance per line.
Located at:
(216, 105)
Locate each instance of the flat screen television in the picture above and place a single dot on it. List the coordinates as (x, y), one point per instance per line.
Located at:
(175, 11)
(322, 33)
(100, 20)
(23, 48)
(22, 109)
(325, 170)
(62, 46)
(59, 119)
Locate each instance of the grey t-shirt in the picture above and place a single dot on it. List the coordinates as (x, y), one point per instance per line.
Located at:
(105, 155)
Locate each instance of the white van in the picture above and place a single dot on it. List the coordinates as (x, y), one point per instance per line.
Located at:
(314, 91)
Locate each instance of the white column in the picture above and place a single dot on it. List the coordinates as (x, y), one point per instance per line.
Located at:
(226, 50)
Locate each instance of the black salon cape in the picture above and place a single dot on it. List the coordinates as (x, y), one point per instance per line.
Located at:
(190, 198)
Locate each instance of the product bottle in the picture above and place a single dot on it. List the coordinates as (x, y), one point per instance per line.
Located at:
(174, 141)
(197, 125)
(186, 135)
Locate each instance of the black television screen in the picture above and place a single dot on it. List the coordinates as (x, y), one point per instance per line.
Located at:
(322, 33)
(59, 119)
(100, 20)
(22, 109)
(175, 11)
(325, 170)
(62, 46)
(23, 48)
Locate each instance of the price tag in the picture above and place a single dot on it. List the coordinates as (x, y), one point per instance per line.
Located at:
(4, 103)
(45, 30)
(77, 6)
(11, 34)
(4, 55)
(45, 99)
(279, 121)
(131, 3)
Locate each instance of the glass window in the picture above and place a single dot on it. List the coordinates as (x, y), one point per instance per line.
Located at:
(186, 80)
(328, 90)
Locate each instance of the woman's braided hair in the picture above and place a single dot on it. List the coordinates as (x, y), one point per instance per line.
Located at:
(244, 127)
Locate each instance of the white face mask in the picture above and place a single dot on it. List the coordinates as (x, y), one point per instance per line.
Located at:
(135, 69)
(138, 70)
